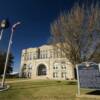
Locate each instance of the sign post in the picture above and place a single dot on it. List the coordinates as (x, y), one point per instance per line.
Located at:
(78, 82)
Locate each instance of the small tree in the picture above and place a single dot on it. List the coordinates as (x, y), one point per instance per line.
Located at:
(2, 63)
(78, 33)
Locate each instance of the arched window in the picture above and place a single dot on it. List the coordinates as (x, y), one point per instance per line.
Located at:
(42, 70)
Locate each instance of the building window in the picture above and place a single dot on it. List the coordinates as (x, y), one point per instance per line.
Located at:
(46, 54)
(40, 56)
(23, 57)
(55, 74)
(59, 53)
(55, 66)
(30, 56)
(23, 70)
(29, 75)
(43, 56)
(27, 57)
(30, 67)
(63, 66)
(34, 55)
(51, 53)
(63, 75)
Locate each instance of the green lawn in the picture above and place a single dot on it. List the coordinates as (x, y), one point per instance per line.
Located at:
(41, 90)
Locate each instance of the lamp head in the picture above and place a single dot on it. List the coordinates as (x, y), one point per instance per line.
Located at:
(4, 24)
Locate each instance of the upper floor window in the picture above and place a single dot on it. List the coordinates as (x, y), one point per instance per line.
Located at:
(30, 66)
(63, 66)
(27, 57)
(23, 57)
(30, 56)
(56, 65)
(51, 53)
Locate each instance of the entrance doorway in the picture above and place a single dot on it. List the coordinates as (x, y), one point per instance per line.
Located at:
(42, 70)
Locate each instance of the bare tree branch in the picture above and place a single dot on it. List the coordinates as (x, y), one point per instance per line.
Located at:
(75, 32)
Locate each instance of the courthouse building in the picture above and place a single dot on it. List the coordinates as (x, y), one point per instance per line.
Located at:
(45, 62)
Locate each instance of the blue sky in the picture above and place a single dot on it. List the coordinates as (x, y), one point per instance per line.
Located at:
(35, 17)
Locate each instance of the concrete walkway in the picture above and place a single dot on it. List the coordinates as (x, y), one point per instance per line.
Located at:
(15, 81)
(25, 80)
(89, 96)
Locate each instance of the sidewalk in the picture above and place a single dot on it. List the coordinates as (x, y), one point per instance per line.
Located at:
(15, 81)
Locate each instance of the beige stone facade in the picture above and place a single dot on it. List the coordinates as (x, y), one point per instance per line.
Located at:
(45, 63)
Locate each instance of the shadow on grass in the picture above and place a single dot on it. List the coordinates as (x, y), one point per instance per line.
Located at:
(67, 83)
(97, 92)
(71, 83)
(40, 85)
(33, 86)
(58, 81)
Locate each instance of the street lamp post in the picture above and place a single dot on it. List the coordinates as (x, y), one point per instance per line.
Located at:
(8, 51)
(1, 33)
(3, 25)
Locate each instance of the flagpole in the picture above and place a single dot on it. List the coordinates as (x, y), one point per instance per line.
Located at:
(8, 52)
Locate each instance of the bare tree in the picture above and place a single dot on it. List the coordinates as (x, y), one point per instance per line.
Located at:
(78, 33)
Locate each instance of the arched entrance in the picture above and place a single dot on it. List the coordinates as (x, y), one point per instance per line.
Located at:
(41, 71)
